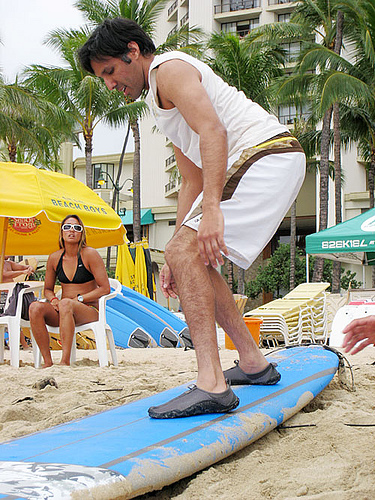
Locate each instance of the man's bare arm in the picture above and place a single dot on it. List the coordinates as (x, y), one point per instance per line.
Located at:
(191, 185)
(179, 84)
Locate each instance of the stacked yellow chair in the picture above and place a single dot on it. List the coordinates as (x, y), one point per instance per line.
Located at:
(300, 316)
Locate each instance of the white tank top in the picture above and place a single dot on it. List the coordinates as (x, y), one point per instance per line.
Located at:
(247, 123)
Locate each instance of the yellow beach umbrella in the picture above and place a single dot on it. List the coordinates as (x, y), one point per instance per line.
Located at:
(125, 268)
(34, 201)
(140, 270)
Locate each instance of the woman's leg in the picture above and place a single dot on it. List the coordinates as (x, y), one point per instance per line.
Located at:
(72, 313)
(42, 314)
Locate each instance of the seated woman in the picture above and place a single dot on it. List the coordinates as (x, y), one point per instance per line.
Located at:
(83, 279)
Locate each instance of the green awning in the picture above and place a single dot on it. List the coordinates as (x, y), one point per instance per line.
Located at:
(146, 217)
(356, 235)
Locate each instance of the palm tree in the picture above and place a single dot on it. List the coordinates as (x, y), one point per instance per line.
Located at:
(353, 83)
(246, 63)
(85, 97)
(323, 18)
(31, 127)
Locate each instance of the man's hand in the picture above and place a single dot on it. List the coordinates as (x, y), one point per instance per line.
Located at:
(359, 334)
(211, 238)
(167, 283)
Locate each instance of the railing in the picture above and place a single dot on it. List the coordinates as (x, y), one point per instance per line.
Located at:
(170, 160)
(172, 184)
(172, 32)
(172, 8)
(278, 2)
(233, 5)
(184, 19)
(289, 119)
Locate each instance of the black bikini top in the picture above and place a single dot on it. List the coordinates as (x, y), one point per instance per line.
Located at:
(82, 275)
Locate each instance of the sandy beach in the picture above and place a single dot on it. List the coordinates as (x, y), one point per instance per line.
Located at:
(318, 454)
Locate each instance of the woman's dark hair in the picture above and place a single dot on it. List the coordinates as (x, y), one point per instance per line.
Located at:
(111, 38)
(82, 242)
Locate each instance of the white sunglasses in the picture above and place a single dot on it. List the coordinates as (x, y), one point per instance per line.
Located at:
(76, 227)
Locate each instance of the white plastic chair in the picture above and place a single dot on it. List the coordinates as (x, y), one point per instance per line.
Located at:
(101, 330)
(14, 324)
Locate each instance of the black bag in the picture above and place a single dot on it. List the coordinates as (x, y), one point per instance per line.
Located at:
(28, 298)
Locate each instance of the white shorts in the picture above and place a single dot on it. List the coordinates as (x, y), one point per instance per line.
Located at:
(261, 190)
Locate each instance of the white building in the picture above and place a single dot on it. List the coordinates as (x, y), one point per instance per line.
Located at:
(159, 178)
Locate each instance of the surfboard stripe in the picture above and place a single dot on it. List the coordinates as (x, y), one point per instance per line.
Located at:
(221, 418)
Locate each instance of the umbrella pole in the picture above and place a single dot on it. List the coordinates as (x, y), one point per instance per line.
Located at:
(3, 242)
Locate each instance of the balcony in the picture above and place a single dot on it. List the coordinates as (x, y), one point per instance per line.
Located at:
(280, 6)
(171, 189)
(185, 19)
(235, 5)
(172, 11)
(170, 163)
(278, 2)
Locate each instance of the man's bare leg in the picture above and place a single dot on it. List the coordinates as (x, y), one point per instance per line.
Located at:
(230, 319)
(197, 297)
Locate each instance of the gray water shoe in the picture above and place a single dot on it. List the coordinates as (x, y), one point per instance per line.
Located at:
(268, 376)
(196, 401)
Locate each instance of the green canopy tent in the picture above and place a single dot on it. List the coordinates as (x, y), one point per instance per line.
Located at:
(352, 241)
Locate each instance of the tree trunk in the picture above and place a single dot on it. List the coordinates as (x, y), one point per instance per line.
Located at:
(136, 183)
(119, 172)
(241, 281)
(230, 275)
(323, 193)
(88, 157)
(371, 172)
(12, 150)
(336, 273)
(293, 240)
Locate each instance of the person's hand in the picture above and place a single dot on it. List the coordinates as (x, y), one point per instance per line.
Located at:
(359, 334)
(55, 303)
(29, 270)
(211, 238)
(167, 283)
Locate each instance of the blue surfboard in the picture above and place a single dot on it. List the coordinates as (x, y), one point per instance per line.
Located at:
(174, 321)
(163, 334)
(126, 332)
(122, 453)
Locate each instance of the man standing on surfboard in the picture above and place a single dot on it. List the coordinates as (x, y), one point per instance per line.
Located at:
(241, 170)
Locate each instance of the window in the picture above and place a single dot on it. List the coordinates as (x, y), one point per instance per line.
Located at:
(292, 51)
(283, 18)
(233, 5)
(97, 168)
(241, 28)
(288, 112)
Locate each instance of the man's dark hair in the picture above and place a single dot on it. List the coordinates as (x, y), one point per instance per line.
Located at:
(111, 38)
